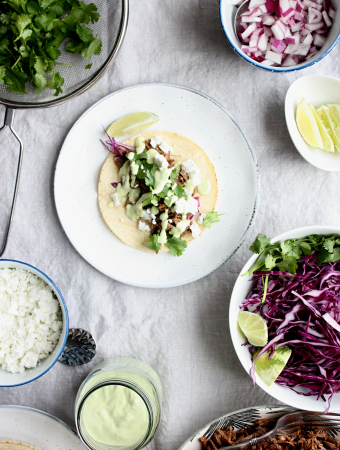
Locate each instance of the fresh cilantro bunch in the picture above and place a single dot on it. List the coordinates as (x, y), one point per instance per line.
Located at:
(284, 256)
(31, 33)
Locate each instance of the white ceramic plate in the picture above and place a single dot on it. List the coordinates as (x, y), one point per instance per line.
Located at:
(241, 289)
(37, 428)
(186, 112)
(238, 419)
(317, 90)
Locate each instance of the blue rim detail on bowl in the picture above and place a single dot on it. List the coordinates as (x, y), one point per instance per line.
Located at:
(66, 316)
(253, 155)
(270, 68)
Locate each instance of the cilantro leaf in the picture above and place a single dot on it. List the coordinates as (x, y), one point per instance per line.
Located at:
(286, 247)
(164, 192)
(153, 243)
(289, 264)
(211, 218)
(146, 172)
(85, 34)
(260, 244)
(151, 200)
(40, 82)
(179, 191)
(56, 82)
(94, 47)
(270, 262)
(16, 80)
(306, 248)
(329, 245)
(88, 66)
(18, 5)
(46, 22)
(90, 12)
(176, 246)
(5, 19)
(21, 22)
(2, 74)
(4, 45)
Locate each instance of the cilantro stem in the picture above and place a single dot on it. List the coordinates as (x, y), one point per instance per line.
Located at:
(64, 64)
(16, 62)
(265, 286)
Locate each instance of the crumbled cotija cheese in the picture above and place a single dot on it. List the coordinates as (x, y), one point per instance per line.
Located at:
(30, 320)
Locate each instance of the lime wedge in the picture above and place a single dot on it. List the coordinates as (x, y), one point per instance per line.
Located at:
(324, 113)
(254, 328)
(269, 369)
(327, 142)
(307, 125)
(334, 118)
(132, 123)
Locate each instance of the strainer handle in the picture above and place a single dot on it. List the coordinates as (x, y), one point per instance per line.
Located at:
(8, 122)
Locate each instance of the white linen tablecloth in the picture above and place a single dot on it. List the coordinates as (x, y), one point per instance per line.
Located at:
(181, 332)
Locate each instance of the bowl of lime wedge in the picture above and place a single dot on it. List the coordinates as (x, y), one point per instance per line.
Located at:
(284, 317)
(312, 110)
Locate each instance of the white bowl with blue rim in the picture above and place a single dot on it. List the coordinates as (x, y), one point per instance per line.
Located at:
(8, 379)
(228, 12)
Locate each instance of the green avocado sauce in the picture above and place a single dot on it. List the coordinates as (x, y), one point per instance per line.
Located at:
(204, 187)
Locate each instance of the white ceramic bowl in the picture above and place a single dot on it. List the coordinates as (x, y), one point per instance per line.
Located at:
(8, 379)
(317, 90)
(241, 290)
(228, 12)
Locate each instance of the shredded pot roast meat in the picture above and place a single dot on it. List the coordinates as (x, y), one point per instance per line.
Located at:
(303, 439)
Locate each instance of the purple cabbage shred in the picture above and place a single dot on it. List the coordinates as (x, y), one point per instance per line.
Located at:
(296, 310)
(115, 147)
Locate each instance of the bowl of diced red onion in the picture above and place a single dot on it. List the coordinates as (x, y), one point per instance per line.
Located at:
(282, 35)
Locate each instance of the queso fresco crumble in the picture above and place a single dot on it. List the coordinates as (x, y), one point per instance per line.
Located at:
(30, 320)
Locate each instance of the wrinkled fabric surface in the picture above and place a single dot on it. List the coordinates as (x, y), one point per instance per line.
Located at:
(182, 332)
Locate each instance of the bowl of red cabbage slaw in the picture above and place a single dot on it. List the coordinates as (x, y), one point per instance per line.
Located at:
(302, 312)
(283, 35)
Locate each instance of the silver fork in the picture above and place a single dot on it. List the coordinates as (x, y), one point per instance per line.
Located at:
(289, 423)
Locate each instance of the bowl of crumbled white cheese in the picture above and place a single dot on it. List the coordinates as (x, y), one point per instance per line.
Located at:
(33, 323)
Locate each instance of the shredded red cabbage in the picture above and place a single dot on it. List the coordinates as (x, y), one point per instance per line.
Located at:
(302, 311)
(115, 147)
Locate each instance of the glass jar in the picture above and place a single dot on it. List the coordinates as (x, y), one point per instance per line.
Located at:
(118, 405)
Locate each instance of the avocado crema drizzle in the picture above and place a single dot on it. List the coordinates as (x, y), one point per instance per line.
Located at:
(150, 182)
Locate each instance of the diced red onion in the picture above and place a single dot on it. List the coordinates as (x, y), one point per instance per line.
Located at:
(319, 41)
(331, 12)
(308, 39)
(326, 18)
(249, 31)
(288, 61)
(279, 46)
(314, 26)
(285, 32)
(297, 49)
(198, 201)
(273, 56)
(263, 43)
(256, 3)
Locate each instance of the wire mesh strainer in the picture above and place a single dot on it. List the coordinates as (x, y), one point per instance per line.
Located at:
(110, 29)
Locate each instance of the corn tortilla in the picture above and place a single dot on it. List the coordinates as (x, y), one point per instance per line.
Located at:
(115, 218)
(9, 444)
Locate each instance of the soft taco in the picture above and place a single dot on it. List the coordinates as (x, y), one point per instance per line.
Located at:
(9, 444)
(157, 192)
